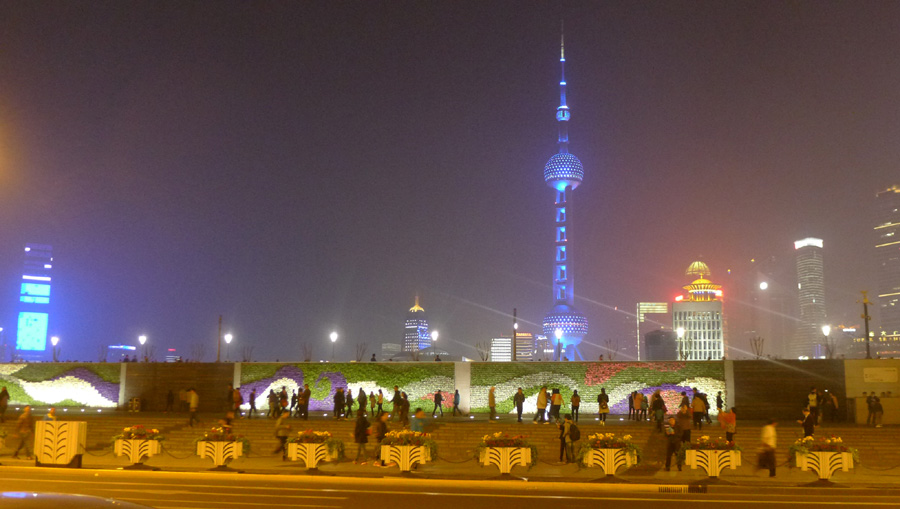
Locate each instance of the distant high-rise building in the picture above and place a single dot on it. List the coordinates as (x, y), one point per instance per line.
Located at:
(808, 337)
(661, 345)
(501, 349)
(698, 318)
(416, 335)
(887, 252)
(34, 300)
(564, 324)
(389, 350)
(644, 309)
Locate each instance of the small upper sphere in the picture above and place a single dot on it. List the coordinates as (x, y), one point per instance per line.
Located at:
(564, 167)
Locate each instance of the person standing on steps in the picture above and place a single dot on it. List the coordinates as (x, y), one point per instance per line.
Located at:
(768, 441)
(808, 423)
(361, 436)
(361, 399)
(304, 403)
(728, 421)
(519, 401)
(575, 400)
(541, 406)
(372, 401)
(282, 430)
(555, 404)
(566, 447)
(4, 402)
(193, 403)
(492, 404)
(379, 400)
(673, 443)
(252, 404)
(397, 401)
(602, 405)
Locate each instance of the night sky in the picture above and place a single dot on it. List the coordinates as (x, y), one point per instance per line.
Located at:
(299, 167)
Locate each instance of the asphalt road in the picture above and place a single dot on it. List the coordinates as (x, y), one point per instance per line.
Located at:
(179, 490)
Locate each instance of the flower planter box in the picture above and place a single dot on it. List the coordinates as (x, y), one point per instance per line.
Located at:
(824, 463)
(310, 454)
(610, 460)
(137, 450)
(221, 452)
(712, 461)
(405, 455)
(60, 442)
(505, 457)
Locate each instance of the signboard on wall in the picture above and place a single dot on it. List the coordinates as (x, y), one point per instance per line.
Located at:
(880, 375)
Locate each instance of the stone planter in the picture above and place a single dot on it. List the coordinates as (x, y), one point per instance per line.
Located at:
(137, 451)
(405, 455)
(712, 461)
(505, 457)
(60, 442)
(220, 452)
(610, 460)
(824, 463)
(310, 454)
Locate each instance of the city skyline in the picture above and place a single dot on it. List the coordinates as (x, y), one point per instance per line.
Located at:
(299, 177)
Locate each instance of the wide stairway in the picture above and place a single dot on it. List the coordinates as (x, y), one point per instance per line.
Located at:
(457, 437)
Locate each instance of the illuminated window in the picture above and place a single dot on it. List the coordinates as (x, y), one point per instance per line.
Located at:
(561, 196)
(560, 233)
(561, 215)
(560, 272)
(561, 253)
(561, 292)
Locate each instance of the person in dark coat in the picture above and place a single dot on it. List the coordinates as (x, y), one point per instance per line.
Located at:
(438, 400)
(339, 403)
(397, 402)
(361, 436)
(673, 443)
(808, 422)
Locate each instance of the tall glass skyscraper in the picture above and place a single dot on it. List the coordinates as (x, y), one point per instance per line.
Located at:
(563, 172)
(34, 301)
(808, 337)
(887, 252)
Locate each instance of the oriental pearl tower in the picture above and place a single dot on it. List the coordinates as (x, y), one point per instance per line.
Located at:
(564, 325)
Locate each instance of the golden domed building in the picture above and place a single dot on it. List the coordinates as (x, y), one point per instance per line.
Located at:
(698, 319)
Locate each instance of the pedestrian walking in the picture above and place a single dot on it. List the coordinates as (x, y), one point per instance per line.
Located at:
(519, 401)
(252, 403)
(397, 403)
(361, 436)
(372, 401)
(348, 400)
(4, 402)
(417, 423)
(380, 402)
(304, 402)
(404, 409)
(555, 404)
(566, 444)
(808, 423)
(683, 422)
(25, 431)
(541, 406)
(379, 433)
(813, 404)
(698, 409)
(768, 443)
(361, 399)
(438, 399)
(456, 403)
(282, 430)
(879, 411)
(673, 443)
(339, 403)
(728, 421)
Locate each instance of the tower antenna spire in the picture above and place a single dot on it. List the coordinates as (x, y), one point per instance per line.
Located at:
(562, 113)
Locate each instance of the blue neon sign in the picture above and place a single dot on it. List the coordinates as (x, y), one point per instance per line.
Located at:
(32, 331)
(35, 290)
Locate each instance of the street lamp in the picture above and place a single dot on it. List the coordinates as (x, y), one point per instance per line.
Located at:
(826, 331)
(228, 338)
(680, 333)
(142, 340)
(54, 341)
(434, 336)
(333, 337)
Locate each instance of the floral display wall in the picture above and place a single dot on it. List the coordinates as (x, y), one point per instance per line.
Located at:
(62, 384)
(618, 378)
(419, 380)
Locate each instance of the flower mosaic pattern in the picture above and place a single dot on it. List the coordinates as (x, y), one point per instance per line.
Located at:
(78, 385)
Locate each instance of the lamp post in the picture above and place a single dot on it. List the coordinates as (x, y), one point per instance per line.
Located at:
(826, 331)
(558, 333)
(866, 318)
(219, 340)
(228, 338)
(680, 333)
(54, 341)
(333, 337)
(515, 332)
(142, 340)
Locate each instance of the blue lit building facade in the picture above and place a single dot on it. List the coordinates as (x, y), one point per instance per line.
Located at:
(564, 324)
(416, 336)
(33, 319)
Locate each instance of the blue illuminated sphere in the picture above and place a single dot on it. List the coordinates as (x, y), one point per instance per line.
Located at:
(563, 168)
(574, 326)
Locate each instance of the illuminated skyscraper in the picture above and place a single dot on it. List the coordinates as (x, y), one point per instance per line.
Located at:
(808, 337)
(34, 299)
(416, 335)
(698, 318)
(887, 252)
(644, 322)
(564, 172)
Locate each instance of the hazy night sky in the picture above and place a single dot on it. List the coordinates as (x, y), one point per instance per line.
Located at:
(300, 167)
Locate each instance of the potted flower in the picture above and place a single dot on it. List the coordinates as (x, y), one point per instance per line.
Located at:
(823, 455)
(609, 451)
(138, 443)
(313, 447)
(406, 448)
(712, 456)
(221, 445)
(506, 451)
